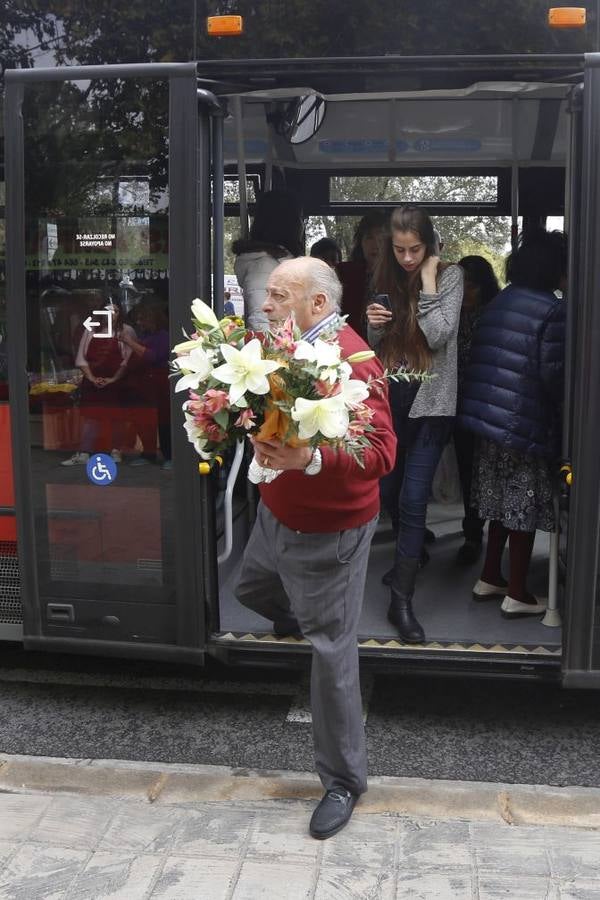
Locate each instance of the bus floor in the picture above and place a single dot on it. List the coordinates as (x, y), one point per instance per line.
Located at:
(443, 598)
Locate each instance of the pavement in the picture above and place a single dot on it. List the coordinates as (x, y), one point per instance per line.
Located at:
(88, 829)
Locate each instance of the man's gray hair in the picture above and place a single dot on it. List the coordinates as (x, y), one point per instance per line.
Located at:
(322, 279)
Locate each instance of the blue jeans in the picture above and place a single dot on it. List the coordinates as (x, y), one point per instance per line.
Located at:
(406, 490)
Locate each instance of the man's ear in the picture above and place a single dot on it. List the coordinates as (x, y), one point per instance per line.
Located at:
(319, 303)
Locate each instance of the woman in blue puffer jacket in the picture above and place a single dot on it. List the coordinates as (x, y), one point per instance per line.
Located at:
(512, 400)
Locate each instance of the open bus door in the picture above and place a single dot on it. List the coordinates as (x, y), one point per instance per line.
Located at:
(107, 206)
(581, 655)
(530, 147)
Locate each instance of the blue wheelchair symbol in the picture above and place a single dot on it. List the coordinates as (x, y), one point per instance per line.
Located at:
(101, 469)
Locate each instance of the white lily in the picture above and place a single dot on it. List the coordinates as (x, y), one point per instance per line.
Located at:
(204, 314)
(196, 366)
(328, 416)
(322, 353)
(354, 392)
(186, 346)
(325, 356)
(195, 436)
(245, 370)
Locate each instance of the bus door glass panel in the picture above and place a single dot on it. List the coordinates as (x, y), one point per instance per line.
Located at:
(97, 204)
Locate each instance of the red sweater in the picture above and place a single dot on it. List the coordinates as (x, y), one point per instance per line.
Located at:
(343, 495)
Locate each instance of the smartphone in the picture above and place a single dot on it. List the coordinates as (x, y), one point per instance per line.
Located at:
(383, 300)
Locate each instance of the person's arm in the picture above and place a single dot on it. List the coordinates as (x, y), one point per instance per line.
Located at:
(126, 353)
(81, 357)
(131, 340)
(552, 352)
(438, 312)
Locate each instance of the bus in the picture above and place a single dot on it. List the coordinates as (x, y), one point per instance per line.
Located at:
(122, 181)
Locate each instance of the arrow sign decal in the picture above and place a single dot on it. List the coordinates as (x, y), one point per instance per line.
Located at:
(90, 324)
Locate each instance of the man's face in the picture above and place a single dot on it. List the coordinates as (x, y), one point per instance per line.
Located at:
(285, 295)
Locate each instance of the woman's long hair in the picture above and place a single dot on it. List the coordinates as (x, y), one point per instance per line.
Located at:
(403, 339)
(478, 270)
(375, 220)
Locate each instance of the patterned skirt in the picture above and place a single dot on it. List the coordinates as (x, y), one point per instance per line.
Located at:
(512, 488)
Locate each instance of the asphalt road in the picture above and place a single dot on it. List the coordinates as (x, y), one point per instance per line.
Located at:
(428, 727)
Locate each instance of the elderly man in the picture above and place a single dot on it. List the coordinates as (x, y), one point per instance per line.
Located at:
(305, 563)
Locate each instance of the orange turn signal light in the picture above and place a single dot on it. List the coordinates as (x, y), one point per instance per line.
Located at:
(224, 26)
(566, 17)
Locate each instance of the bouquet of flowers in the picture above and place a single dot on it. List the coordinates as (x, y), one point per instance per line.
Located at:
(275, 386)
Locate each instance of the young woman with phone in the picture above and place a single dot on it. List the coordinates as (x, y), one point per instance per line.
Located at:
(418, 332)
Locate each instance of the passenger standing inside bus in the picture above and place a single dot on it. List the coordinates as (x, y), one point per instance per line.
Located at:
(277, 233)
(512, 398)
(415, 327)
(357, 273)
(328, 250)
(147, 383)
(306, 560)
(103, 361)
(481, 286)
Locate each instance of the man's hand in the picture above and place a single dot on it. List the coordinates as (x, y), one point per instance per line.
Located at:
(273, 455)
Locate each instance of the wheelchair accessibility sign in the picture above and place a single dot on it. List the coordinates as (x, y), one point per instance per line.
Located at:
(101, 469)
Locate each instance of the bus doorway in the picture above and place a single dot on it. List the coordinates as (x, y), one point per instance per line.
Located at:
(501, 152)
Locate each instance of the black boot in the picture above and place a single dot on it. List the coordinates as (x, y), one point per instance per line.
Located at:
(400, 612)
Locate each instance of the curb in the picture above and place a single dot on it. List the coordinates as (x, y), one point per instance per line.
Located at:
(166, 783)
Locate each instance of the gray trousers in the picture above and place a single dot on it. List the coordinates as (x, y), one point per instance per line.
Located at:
(320, 579)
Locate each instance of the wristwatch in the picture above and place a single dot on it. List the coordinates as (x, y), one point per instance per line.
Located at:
(315, 464)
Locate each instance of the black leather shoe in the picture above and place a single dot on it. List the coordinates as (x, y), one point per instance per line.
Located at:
(287, 627)
(332, 813)
(469, 553)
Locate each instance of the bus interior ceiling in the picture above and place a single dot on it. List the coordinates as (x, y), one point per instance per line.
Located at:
(515, 132)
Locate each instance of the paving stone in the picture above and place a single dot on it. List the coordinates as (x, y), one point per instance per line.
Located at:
(74, 822)
(194, 879)
(40, 873)
(441, 885)
(427, 846)
(283, 835)
(494, 886)
(112, 876)
(506, 849)
(342, 883)
(142, 828)
(213, 831)
(580, 889)
(6, 849)
(575, 852)
(367, 841)
(19, 813)
(260, 880)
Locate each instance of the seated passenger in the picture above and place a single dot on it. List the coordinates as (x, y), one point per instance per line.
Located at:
(481, 286)
(511, 400)
(356, 274)
(277, 233)
(327, 250)
(418, 331)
